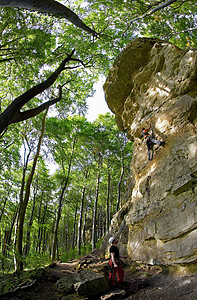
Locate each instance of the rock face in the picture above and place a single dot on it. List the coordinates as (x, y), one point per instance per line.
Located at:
(155, 82)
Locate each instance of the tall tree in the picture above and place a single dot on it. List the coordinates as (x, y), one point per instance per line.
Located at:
(81, 214)
(122, 140)
(108, 197)
(27, 245)
(23, 206)
(94, 221)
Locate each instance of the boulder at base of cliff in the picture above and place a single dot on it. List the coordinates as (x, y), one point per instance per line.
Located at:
(86, 283)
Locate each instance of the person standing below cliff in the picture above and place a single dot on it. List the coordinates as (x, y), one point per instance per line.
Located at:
(150, 141)
(115, 263)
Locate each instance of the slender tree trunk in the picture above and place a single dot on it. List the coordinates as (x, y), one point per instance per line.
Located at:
(60, 202)
(25, 164)
(108, 199)
(63, 233)
(83, 229)
(2, 210)
(103, 223)
(19, 241)
(44, 240)
(4, 246)
(74, 228)
(81, 217)
(120, 181)
(27, 246)
(39, 221)
(41, 228)
(7, 237)
(99, 227)
(12, 226)
(94, 238)
(66, 241)
(43, 222)
(57, 252)
(80, 222)
(111, 204)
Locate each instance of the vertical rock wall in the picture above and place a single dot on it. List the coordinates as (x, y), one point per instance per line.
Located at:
(155, 82)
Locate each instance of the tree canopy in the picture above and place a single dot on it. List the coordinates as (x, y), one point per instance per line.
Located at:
(25, 59)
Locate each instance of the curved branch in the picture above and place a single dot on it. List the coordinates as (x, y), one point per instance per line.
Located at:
(51, 7)
(183, 31)
(163, 5)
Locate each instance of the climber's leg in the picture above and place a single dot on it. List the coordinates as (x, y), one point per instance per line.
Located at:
(149, 147)
(154, 141)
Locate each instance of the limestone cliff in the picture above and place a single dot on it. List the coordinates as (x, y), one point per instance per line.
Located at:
(155, 82)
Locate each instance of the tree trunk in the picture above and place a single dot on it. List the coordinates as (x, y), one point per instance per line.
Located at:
(83, 229)
(74, 228)
(27, 246)
(80, 222)
(4, 246)
(66, 239)
(25, 164)
(60, 202)
(2, 210)
(99, 227)
(120, 181)
(19, 241)
(44, 240)
(7, 237)
(51, 7)
(39, 221)
(41, 228)
(81, 217)
(108, 199)
(94, 238)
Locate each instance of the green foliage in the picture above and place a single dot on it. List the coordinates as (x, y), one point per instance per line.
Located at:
(99, 243)
(32, 47)
(6, 262)
(73, 253)
(22, 51)
(124, 20)
(36, 260)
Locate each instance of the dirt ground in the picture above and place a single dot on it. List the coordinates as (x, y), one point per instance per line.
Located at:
(160, 286)
(168, 287)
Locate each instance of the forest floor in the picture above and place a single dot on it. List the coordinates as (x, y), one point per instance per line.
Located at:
(159, 284)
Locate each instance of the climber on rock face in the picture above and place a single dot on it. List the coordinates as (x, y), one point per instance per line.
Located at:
(150, 141)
